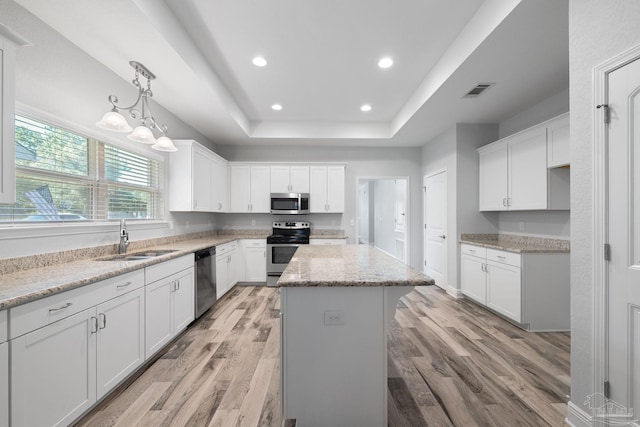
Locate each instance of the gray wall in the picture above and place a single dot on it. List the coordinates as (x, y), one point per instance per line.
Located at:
(455, 151)
(56, 79)
(361, 162)
(598, 31)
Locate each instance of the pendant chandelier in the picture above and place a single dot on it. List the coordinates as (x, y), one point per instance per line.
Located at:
(114, 121)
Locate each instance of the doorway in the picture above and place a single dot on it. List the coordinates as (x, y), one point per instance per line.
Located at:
(383, 214)
(435, 227)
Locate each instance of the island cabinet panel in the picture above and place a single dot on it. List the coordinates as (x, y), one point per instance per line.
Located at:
(53, 372)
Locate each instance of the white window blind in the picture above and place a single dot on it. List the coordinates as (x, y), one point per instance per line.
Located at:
(63, 176)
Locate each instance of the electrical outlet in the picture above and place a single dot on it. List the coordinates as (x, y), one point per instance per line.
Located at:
(334, 317)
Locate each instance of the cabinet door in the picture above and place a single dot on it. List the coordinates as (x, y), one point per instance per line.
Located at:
(4, 384)
(260, 195)
(528, 170)
(558, 143)
(221, 275)
(473, 278)
(299, 179)
(7, 120)
(240, 188)
(158, 326)
(53, 372)
(255, 264)
(220, 186)
(503, 289)
(233, 266)
(318, 189)
(493, 178)
(120, 339)
(183, 309)
(280, 179)
(335, 189)
(201, 181)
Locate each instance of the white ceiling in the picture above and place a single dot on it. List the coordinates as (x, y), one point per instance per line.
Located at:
(322, 62)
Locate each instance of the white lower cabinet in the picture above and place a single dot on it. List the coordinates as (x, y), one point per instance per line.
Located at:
(530, 288)
(255, 260)
(170, 307)
(4, 384)
(4, 370)
(120, 339)
(227, 265)
(53, 372)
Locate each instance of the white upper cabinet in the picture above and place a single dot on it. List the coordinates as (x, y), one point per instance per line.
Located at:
(326, 193)
(514, 174)
(9, 42)
(249, 188)
(197, 179)
(558, 151)
(289, 179)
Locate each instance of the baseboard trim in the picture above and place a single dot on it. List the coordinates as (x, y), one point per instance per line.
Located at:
(576, 417)
(455, 292)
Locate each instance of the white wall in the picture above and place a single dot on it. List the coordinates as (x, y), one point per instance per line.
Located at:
(55, 78)
(455, 151)
(361, 162)
(598, 31)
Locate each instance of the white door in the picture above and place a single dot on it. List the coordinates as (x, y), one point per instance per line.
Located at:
(528, 171)
(493, 177)
(260, 195)
(318, 189)
(335, 189)
(158, 328)
(280, 179)
(240, 188)
(624, 235)
(435, 233)
(299, 179)
(183, 310)
(473, 277)
(201, 181)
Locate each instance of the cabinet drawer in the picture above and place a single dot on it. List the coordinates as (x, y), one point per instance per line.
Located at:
(254, 243)
(227, 247)
(504, 257)
(156, 272)
(3, 326)
(473, 250)
(34, 315)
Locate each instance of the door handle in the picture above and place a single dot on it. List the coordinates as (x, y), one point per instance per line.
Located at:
(442, 236)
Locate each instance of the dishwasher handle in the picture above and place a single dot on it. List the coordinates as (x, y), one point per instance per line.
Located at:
(205, 253)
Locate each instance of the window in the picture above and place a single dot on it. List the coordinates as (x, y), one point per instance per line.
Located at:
(63, 176)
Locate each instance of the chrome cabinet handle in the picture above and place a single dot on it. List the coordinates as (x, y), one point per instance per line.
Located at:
(67, 305)
(178, 285)
(94, 326)
(504, 202)
(124, 285)
(103, 319)
(442, 236)
(501, 257)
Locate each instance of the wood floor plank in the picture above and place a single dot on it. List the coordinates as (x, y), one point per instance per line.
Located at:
(451, 363)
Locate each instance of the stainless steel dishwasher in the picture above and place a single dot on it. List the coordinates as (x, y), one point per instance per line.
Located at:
(205, 280)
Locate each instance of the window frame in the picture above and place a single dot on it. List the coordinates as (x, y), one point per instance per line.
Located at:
(59, 228)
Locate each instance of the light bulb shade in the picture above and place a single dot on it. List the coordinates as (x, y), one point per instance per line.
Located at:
(142, 134)
(164, 144)
(114, 121)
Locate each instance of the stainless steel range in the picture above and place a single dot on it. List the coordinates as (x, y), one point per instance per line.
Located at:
(281, 246)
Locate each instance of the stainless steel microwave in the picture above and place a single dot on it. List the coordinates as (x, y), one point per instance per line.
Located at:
(290, 203)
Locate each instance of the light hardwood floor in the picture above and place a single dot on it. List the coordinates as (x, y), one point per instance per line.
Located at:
(451, 363)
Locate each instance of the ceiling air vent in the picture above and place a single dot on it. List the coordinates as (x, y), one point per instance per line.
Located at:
(478, 89)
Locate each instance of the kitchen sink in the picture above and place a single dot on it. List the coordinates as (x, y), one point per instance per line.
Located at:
(137, 256)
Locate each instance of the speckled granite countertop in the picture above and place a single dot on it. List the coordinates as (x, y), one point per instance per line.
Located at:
(517, 244)
(348, 265)
(22, 285)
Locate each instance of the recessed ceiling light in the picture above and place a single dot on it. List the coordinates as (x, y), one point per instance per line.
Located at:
(385, 62)
(276, 107)
(259, 61)
(365, 107)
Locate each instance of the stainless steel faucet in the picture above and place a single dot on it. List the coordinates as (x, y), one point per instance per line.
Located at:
(124, 236)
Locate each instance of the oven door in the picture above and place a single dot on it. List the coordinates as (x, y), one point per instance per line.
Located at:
(278, 256)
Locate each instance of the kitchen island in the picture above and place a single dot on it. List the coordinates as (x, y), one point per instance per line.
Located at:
(336, 304)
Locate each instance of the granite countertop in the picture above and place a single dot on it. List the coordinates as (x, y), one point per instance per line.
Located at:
(29, 284)
(517, 244)
(348, 265)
